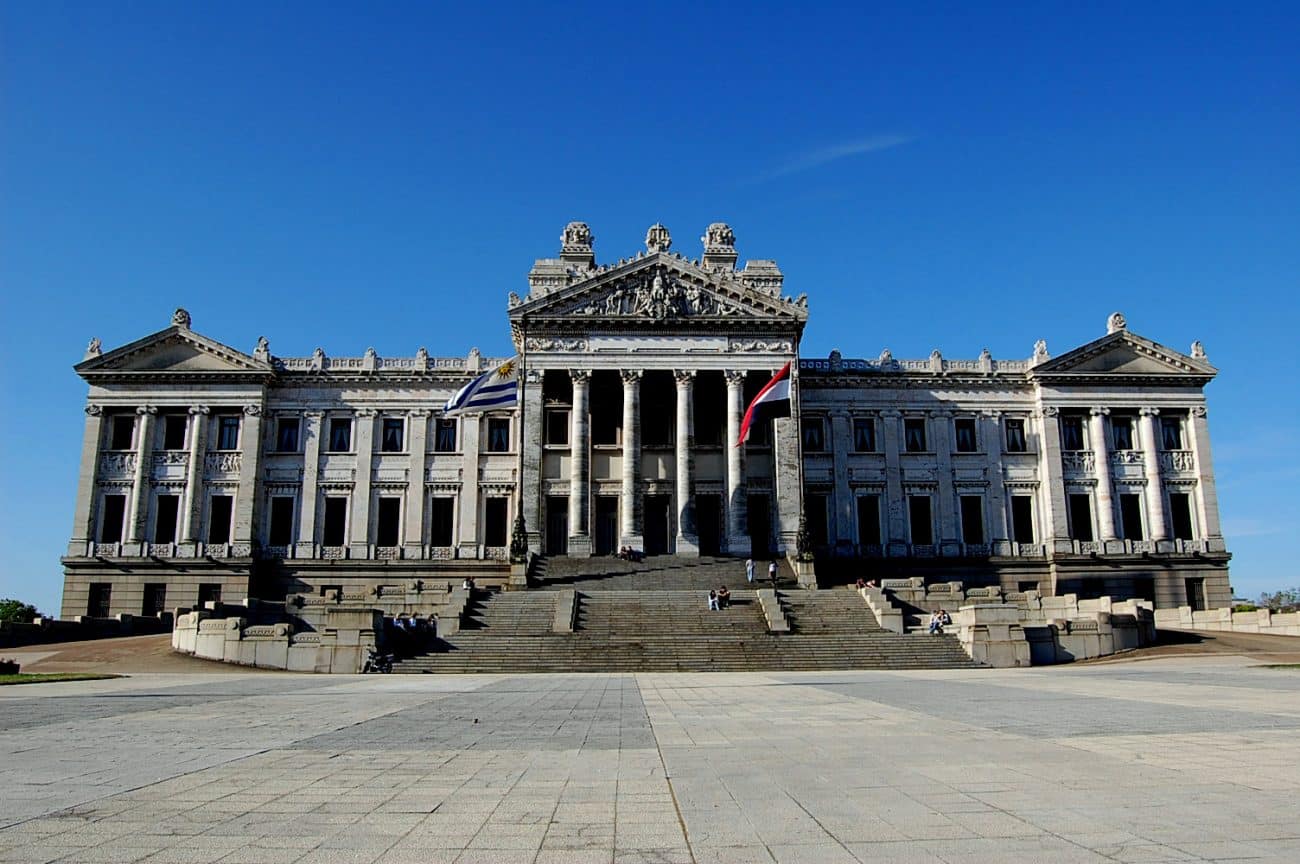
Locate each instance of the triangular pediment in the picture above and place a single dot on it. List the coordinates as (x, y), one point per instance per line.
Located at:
(660, 288)
(1123, 354)
(174, 350)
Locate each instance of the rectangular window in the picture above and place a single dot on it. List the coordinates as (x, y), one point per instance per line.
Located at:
(972, 518)
(390, 438)
(1130, 515)
(209, 592)
(334, 531)
(445, 439)
(100, 599)
(286, 435)
(557, 427)
(1015, 436)
(164, 521)
(1121, 432)
(864, 435)
(388, 522)
(281, 528)
(155, 599)
(110, 521)
(1071, 432)
(498, 429)
(918, 514)
(965, 429)
(174, 431)
(869, 520)
(814, 435)
(914, 435)
(1180, 513)
(122, 431)
(219, 510)
(815, 507)
(340, 435)
(442, 521)
(494, 527)
(228, 432)
(1081, 517)
(1171, 433)
(1022, 518)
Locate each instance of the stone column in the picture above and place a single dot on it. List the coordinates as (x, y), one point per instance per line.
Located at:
(532, 443)
(193, 510)
(687, 542)
(1157, 522)
(630, 533)
(948, 541)
(1105, 498)
(579, 463)
(311, 437)
(140, 486)
(788, 471)
(898, 538)
(359, 535)
(250, 445)
(468, 542)
(737, 540)
(997, 495)
(1056, 532)
(1207, 499)
(83, 521)
(842, 515)
(417, 443)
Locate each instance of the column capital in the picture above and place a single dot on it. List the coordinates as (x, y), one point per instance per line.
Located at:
(735, 377)
(940, 414)
(365, 412)
(253, 410)
(94, 410)
(1050, 411)
(1198, 411)
(146, 409)
(630, 376)
(418, 413)
(1099, 411)
(200, 410)
(1149, 412)
(891, 413)
(684, 376)
(991, 413)
(579, 376)
(313, 414)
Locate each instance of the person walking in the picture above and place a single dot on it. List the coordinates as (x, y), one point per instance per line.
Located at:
(771, 572)
(749, 569)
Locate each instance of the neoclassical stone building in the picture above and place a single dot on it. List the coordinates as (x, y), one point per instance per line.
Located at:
(210, 473)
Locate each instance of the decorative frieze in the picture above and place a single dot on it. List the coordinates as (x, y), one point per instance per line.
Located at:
(115, 465)
(1178, 461)
(1079, 461)
(223, 463)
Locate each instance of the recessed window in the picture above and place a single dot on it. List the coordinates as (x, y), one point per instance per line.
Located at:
(495, 521)
(914, 435)
(209, 592)
(1015, 435)
(869, 520)
(173, 431)
(1071, 432)
(814, 435)
(219, 512)
(286, 435)
(1121, 432)
(334, 530)
(340, 435)
(444, 440)
(498, 429)
(228, 432)
(972, 518)
(281, 528)
(1081, 517)
(100, 599)
(918, 513)
(557, 427)
(122, 431)
(164, 524)
(110, 520)
(864, 435)
(1022, 518)
(965, 429)
(390, 440)
(1180, 514)
(442, 520)
(155, 599)
(1171, 433)
(1130, 516)
(388, 521)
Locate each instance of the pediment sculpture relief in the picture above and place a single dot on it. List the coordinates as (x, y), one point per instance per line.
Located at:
(659, 298)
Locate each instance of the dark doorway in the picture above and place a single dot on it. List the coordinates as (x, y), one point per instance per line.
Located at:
(760, 525)
(442, 521)
(100, 599)
(656, 524)
(1196, 594)
(708, 521)
(557, 525)
(155, 599)
(495, 522)
(606, 534)
(815, 507)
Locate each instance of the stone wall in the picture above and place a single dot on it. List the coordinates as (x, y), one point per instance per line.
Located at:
(1260, 621)
(340, 645)
(43, 631)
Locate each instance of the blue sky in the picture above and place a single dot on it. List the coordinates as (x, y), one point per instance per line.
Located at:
(383, 174)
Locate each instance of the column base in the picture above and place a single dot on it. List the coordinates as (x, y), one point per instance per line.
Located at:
(636, 541)
(579, 546)
(687, 547)
(412, 552)
(740, 546)
(949, 549)
(304, 550)
(1113, 547)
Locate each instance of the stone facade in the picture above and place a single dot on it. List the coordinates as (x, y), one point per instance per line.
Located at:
(209, 473)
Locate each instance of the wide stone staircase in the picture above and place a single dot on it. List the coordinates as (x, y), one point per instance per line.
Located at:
(653, 616)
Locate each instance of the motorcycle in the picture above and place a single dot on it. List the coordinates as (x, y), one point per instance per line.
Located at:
(377, 663)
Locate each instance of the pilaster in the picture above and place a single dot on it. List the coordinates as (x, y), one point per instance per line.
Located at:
(896, 523)
(250, 445)
(687, 541)
(630, 530)
(997, 495)
(311, 436)
(83, 520)
(360, 528)
(140, 485)
(1056, 532)
(417, 428)
(192, 513)
(737, 540)
(842, 516)
(1157, 521)
(531, 438)
(1105, 497)
(1207, 498)
(579, 464)
(467, 539)
(949, 532)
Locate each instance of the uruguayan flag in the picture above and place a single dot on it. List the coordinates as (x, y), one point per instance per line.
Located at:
(496, 388)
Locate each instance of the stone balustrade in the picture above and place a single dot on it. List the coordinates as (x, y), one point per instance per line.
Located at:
(1225, 620)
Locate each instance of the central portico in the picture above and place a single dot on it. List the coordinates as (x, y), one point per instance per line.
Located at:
(637, 376)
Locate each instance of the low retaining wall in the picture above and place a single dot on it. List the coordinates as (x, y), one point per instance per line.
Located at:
(44, 631)
(1260, 621)
(340, 645)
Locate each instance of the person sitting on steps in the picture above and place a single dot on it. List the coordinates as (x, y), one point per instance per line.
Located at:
(713, 600)
(724, 597)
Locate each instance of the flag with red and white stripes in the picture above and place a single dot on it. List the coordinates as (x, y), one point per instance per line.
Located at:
(772, 401)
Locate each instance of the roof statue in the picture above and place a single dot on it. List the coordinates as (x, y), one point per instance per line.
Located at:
(181, 318)
(657, 238)
(1116, 322)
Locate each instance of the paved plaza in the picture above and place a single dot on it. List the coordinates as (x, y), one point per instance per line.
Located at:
(1181, 759)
